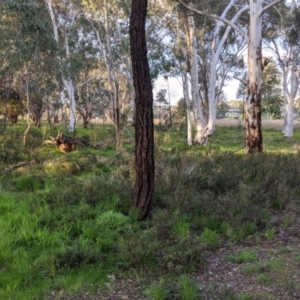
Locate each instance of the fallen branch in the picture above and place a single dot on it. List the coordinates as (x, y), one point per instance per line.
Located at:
(17, 166)
(239, 149)
(67, 144)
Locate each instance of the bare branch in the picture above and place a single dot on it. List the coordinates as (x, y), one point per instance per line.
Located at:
(216, 17)
(19, 165)
(268, 6)
(244, 82)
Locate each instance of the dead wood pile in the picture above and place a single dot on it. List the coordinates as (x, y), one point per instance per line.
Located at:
(67, 143)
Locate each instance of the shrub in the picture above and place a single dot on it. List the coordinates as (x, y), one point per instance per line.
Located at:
(11, 149)
(112, 220)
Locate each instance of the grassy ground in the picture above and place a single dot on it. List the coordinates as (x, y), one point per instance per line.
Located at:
(224, 225)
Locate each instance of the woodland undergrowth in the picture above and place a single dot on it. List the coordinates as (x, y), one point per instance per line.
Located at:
(66, 223)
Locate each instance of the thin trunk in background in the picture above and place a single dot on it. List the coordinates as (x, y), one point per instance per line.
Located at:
(186, 95)
(291, 96)
(67, 81)
(28, 107)
(113, 82)
(192, 67)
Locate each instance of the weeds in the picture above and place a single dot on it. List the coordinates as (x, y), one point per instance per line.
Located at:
(188, 288)
(270, 234)
(158, 292)
(240, 257)
(209, 238)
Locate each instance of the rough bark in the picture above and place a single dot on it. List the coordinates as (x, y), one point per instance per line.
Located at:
(253, 110)
(144, 127)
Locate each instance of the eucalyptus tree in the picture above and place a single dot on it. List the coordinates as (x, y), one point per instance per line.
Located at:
(11, 106)
(144, 127)
(25, 37)
(221, 50)
(91, 96)
(254, 43)
(283, 40)
(106, 19)
(271, 98)
(271, 92)
(63, 16)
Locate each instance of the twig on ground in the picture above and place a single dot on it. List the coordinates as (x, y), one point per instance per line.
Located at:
(239, 149)
(17, 166)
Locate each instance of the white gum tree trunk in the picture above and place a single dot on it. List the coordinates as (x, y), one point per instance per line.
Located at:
(291, 96)
(208, 124)
(253, 110)
(196, 100)
(216, 48)
(294, 85)
(284, 92)
(186, 94)
(290, 84)
(68, 84)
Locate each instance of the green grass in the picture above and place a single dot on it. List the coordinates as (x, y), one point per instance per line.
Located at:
(267, 266)
(244, 256)
(66, 223)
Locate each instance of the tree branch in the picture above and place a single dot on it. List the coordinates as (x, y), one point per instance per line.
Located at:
(268, 6)
(244, 82)
(216, 17)
(19, 165)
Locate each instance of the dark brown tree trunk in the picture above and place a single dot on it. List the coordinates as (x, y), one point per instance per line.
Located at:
(116, 114)
(85, 121)
(56, 118)
(144, 142)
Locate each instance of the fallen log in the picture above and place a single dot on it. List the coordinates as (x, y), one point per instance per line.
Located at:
(67, 143)
(17, 166)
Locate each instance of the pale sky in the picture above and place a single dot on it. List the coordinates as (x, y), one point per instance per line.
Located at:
(175, 85)
(176, 92)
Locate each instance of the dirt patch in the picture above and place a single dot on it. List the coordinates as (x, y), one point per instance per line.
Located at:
(275, 274)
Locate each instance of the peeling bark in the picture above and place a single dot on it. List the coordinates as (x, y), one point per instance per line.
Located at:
(253, 110)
